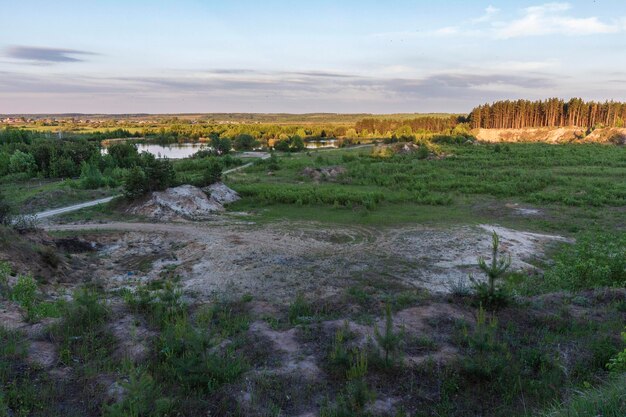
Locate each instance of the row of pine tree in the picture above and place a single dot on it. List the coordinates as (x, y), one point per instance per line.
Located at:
(553, 112)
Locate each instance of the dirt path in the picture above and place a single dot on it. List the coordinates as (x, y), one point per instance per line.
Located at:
(74, 207)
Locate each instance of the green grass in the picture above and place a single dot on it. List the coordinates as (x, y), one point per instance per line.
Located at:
(36, 195)
(576, 186)
(607, 400)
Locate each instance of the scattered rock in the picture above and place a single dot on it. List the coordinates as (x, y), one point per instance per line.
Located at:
(42, 354)
(221, 193)
(184, 202)
(323, 174)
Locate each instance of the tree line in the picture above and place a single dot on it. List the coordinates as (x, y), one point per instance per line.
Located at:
(554, 112)
(427, 123)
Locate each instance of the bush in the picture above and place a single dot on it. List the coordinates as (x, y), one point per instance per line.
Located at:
(91, 177)
(618, 363)
(123, 154)
(213, 173)
(605, 401)
(389, 340)
(143, 397)
(152, 175)
(135, 183)
(292, 144)
(597, 260)
(488, 294)
(81, 333)
(244, 142)
(24, 292)
(5, 211)
(22, 162)
(221, 146)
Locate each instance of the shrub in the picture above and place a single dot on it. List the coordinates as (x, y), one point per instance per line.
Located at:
(135, 183)
(24, 292)
(606, 401)
(244, 142)
(213, 173)
(299, 310)
(5, 211)
(618, 363)
(22, 162)
(487, 356)
(91, 177)
(487, 293)
(389, 340)
(143, 398)
(597, 260)
(81, 333)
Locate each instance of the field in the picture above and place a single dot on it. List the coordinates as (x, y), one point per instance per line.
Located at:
(337, 286)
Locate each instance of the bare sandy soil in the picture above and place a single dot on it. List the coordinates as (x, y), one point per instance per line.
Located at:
(552, 135)
(275, 262)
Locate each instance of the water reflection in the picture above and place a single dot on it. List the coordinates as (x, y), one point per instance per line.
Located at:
(171, 151)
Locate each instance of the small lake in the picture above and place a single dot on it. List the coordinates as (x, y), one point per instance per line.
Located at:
(170, 151)
(185, 150)
(328, 143)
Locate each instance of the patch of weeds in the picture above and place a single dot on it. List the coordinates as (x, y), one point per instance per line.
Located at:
(422, 343)
(339, 356)
(5, 272)
(356, 393)
(618, 363)
(359, 295)
(160, 307)
(225, 319)
(25, 391)
(143, 397)
(602, 349)
(405, 299)
(606, 400)
(300, 310)
(487, 356)
(186, 358)
(595, 260)
(621, 306)
(81, 332)
(24, 292)
(389, 342)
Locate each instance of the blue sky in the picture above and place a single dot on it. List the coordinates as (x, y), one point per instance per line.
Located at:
(316, 56)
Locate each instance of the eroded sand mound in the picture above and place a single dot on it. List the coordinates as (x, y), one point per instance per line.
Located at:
(553, 135)
(186, 202)
(221, 193)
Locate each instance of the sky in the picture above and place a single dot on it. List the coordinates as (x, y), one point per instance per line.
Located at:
(192, 56)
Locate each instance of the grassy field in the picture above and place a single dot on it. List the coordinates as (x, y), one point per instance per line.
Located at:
(36, 195)
(573, 186)
(543, 352)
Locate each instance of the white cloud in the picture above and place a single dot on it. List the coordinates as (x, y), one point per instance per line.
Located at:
(490, 13)
(446, 31)
(544, 19)
(551, 18)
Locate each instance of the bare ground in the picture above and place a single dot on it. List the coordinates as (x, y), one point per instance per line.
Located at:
(275, 262)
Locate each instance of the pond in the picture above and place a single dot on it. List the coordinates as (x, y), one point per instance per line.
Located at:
(324, 143)
(171, 151)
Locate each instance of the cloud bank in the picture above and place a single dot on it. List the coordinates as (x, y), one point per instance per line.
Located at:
(45, 55)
